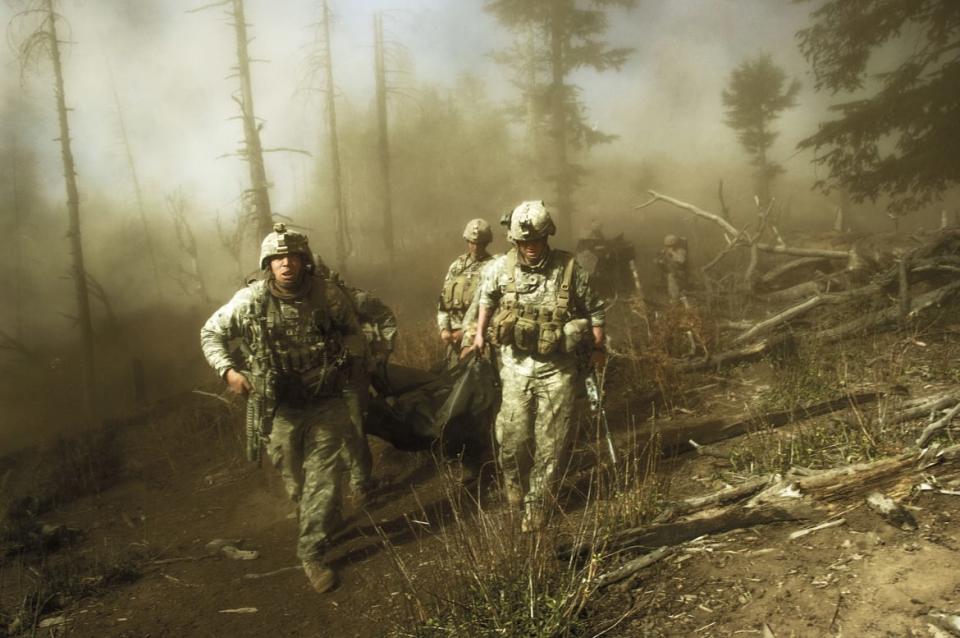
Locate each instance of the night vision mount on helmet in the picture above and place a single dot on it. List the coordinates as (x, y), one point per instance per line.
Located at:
(284, 242)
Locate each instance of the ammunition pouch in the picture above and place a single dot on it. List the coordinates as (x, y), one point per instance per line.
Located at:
(504, 323)
(324, 381)
(525, 334)
(549, 339)
(458, 293)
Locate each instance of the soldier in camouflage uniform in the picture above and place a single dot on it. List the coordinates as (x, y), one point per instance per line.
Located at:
(541, 310)
(673, 263)
(302, 345)
(461, 285)
(379, 325)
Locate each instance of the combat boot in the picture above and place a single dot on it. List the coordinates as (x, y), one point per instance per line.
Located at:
(322, 577)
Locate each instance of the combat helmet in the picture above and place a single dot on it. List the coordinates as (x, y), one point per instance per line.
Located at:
(478, 231)
(284, 242)
(530, 221)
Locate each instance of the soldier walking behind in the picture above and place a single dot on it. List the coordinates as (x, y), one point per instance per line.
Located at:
(302, 345)
(541, 308)
(461, 285)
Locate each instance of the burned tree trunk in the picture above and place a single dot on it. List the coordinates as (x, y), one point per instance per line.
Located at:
(383, 137)
(340, 220)
(190, 277)
(532, 99)
(79, 273)
(137, 191)
(558, 122)
(253, 150)
(17, 247)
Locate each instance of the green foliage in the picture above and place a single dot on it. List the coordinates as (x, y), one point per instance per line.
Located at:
(898, 140)
(756, 94)
(554, 39)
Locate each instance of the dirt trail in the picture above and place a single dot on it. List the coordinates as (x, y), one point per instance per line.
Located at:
(179, 483)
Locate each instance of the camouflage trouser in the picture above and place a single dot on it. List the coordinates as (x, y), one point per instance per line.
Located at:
(533, 432)
(358, 458)
(307, 445)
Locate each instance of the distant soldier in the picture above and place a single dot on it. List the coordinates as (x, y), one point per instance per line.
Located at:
(461, 284)
(609, 260)
(672, 261)
(302, 346)
(541, 308)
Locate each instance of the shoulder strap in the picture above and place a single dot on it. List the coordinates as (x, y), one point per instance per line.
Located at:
(510, 266)
(563, 295)
(318, 301)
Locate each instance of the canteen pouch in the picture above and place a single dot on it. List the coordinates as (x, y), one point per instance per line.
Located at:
(574, 333)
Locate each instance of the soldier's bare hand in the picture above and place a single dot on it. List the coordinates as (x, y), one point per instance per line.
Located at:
(478, 342)
(446, 336)
(237, 383)
(456, 336)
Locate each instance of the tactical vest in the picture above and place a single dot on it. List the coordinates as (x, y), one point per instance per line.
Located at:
(459, 290)
(534, 322)
(292, 348)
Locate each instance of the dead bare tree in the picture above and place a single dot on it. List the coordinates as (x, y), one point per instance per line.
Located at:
(321, 62)
(98, 292)
(232, 238)
(137, 191)
(17, 209)
(252, 150)
(189, 276)
(383, 144)
(8, 342)
(43, 42)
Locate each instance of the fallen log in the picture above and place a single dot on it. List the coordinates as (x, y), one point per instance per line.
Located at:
(937, 425)
(890, 315)
(892, 475)
(651, 537)
(629, 569)
(779, 271)
(927, 407)
(719, 359)
(780, 318)
(722, 497)
(675, 438)
(731, 231)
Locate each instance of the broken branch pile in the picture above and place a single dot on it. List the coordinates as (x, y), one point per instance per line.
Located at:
(877, 285)
(771, 499)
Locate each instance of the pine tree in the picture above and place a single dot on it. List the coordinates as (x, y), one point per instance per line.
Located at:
(756, 94)
(896, 137)
(558, 37)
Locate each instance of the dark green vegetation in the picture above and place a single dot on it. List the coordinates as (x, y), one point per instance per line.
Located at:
(552, 40)
(755, 96)
(898, 64)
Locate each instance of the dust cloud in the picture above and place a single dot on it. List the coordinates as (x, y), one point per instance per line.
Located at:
(167, 73)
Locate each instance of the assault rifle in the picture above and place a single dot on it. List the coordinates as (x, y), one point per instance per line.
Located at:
(595, 396)
(259, 416)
